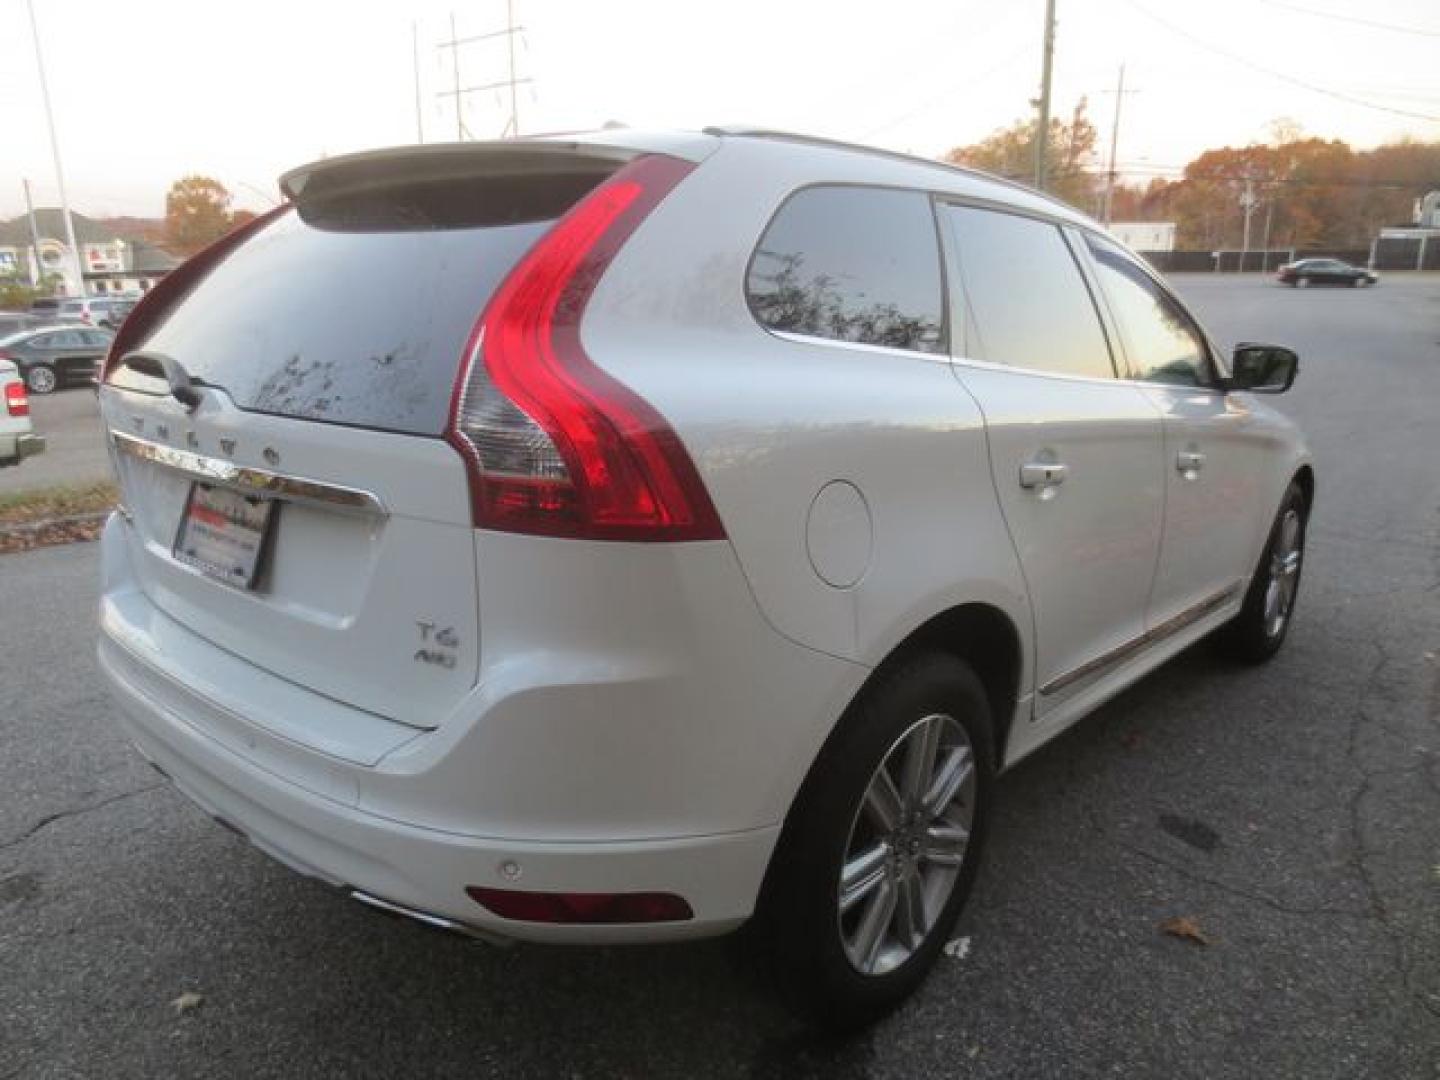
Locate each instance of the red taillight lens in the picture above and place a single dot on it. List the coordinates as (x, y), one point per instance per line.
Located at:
(17, 403)
(554, 445)
(593, 908)
(173, 287)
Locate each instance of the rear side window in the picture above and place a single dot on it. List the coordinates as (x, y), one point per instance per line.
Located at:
(1030, 304)
(354, 308)
(851, 264)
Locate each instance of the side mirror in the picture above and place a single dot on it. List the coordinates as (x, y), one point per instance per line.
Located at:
(1263, 369)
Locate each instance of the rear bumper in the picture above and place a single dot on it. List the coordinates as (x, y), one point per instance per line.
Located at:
(598, 782)
(425, 870)
(16, 448)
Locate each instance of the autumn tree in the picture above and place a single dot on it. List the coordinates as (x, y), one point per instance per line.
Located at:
(1070, 149)
(197, 212)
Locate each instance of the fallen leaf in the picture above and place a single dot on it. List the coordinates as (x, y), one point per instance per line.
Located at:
(1185, 928)
(958, 949)
(188, 1002)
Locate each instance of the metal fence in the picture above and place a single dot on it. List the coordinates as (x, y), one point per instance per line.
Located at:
(1250, 262)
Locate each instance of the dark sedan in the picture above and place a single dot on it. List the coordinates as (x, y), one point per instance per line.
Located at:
(1307, 272)
(53, 356)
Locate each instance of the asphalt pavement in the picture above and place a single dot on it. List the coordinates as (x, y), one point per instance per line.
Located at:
(74, 446)
(1292, 811)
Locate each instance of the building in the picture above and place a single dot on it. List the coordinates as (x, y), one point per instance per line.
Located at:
(1145, 235)
(109, 263)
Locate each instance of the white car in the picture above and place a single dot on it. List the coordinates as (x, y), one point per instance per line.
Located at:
(622, 537)
(17, 431)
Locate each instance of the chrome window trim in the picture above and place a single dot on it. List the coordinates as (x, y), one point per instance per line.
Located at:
(250, 481)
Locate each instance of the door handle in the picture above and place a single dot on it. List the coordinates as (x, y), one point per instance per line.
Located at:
(1043, 474)
(1189, 462)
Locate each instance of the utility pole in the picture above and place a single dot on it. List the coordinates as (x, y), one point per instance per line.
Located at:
(1042, 129)
(55, 152)
(1265, 238)
(1110, 176)
(510, 42)
(455, 67)
(415, 60)
(1247, 201)
(35, 277)
(512, 126)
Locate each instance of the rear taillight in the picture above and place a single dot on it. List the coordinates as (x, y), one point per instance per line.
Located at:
(553, 444)
(16, 401)
(151, 308)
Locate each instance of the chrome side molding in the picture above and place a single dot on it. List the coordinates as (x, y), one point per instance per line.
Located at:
(1138, 644)
(261, 482)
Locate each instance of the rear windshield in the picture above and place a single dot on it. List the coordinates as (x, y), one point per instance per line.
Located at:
(354, 308)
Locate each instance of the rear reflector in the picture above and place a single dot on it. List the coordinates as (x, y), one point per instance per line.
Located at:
(16, 401)
(554, 445)
(593, 908)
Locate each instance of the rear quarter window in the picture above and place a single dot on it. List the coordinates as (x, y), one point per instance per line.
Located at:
(851, 264)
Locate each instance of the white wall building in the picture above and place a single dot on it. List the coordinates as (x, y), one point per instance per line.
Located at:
(1145, 235)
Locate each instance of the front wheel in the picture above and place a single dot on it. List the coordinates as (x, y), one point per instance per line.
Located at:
(1256, 634)
(881, 848)
(1303, 283)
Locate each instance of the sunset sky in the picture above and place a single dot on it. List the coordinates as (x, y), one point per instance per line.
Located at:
(146, 92)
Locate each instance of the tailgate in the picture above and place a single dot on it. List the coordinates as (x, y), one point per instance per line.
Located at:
(364, 591)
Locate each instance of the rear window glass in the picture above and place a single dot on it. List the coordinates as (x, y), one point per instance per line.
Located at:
(852, 264)
(355, 308)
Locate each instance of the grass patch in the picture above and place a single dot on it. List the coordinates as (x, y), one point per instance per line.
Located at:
(61, 501)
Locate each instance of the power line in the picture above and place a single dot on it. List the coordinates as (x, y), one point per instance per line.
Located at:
(1354, 19)
(1282, 76)
(926, 106)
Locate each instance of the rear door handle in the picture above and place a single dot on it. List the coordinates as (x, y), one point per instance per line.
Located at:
(1042, 474)
(1189, 462)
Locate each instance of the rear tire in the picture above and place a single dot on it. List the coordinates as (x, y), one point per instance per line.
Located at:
(41, 379)
(1256, 634)
(880, 850)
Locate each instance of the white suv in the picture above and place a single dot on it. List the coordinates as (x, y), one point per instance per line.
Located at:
(617, 538)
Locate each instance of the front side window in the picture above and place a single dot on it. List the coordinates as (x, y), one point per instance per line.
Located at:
(1030, 304)
(1161, 342)
(851, 264)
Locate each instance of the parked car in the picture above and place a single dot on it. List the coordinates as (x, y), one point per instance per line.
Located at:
(57, 355)
(17, 432)
(45, 306)
(1307, 272)
(698, 556)
(103, 311)
(12, 322)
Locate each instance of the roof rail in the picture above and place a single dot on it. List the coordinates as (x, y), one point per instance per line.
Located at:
(749, 132)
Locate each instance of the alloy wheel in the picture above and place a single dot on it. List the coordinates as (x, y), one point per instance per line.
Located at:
(907, 844)
(40, 380)
(1284, 573)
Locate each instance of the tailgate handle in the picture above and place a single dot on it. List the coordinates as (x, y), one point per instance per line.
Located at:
(160, 365)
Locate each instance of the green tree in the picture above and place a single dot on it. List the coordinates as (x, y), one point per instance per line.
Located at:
(1010, 152)
(197, 213)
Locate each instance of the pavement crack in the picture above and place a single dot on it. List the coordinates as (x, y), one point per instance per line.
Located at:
(1245, 894)
(62, 815)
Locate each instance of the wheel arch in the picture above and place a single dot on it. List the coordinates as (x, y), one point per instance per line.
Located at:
(1305, 477)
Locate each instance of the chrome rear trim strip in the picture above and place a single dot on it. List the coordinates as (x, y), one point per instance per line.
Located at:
(439, 922)
(261, 482)
(1138, 644)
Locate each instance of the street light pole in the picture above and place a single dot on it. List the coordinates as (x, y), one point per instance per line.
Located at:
(55, 151)
(1042, 129)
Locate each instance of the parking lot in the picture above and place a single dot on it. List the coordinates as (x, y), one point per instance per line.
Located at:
(1291, 811)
